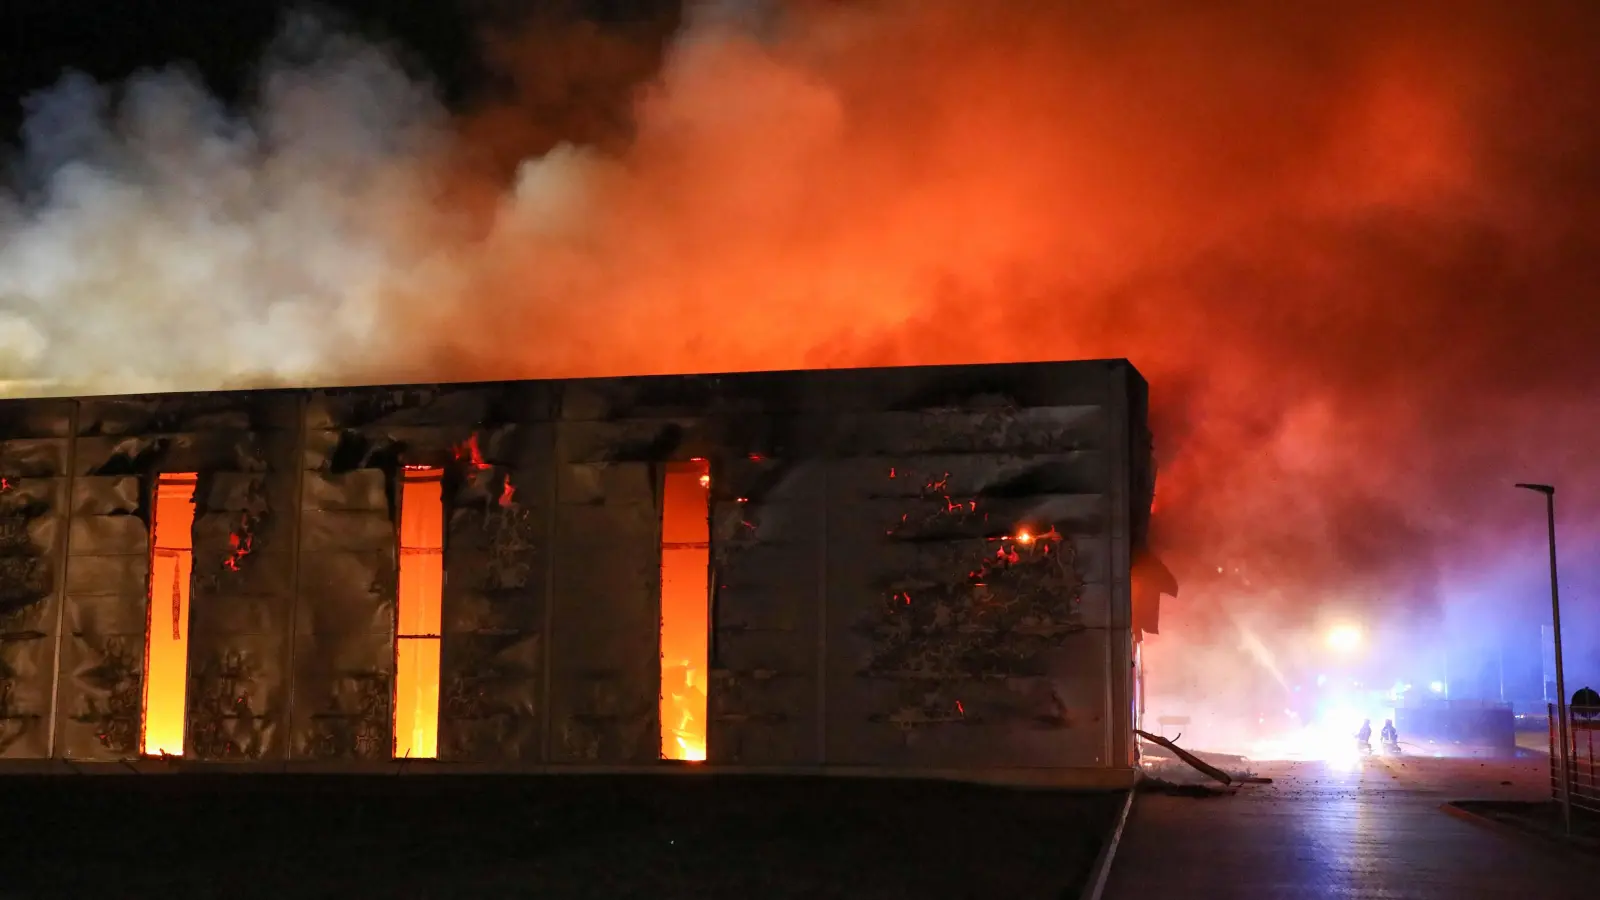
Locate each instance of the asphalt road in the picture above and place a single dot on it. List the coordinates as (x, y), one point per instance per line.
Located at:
(1371, 828)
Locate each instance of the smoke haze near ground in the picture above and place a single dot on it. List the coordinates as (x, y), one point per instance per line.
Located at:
(1350, 245)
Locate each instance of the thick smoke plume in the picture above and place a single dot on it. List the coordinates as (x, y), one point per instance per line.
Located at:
(1351, 246)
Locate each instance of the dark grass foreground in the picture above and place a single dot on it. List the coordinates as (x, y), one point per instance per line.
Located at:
(657, 837)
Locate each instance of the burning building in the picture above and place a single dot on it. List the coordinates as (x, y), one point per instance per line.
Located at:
(911, 570)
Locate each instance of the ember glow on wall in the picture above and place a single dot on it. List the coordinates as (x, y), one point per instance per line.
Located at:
(685, 608)
(416, 701)
(166, 650)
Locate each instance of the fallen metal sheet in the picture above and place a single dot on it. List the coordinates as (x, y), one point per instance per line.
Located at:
(1210, 771)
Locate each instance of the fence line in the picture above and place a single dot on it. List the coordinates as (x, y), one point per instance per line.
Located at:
(1583, 775)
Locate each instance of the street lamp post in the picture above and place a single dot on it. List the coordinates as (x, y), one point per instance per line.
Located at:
(1549, 493)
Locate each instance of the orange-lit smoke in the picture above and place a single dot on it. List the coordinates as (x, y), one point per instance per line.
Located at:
(1349, 244)
(1344, 245)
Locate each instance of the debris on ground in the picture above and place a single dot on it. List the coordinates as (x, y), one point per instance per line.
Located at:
(1181, 771)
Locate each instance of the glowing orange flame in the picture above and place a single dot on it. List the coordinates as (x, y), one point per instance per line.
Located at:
(689, 734)
(417, 620)
(508, 492)
(167, 650)
(685, 610)
(469, 451)
(240, 543)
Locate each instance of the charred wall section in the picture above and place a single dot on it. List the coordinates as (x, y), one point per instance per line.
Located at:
(605, 590)
(497, 558)
(242, 586)
(764, 436)
(35, 443)
(242, 446)
(871, 601)
(493, 443)
(972, 614)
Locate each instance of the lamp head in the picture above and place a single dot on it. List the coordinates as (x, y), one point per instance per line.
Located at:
(1545, 489)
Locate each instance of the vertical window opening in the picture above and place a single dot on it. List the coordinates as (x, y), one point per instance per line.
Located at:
(685, 608)
(166, 647)
(416, 683)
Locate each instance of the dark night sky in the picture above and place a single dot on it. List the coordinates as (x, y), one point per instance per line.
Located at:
(39, 39)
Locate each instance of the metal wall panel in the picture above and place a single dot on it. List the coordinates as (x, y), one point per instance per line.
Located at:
(32, 530)
(1131, 490)
(99, 695)
(697, 397)
(496, 458)
(605, 621)
(35, 506)
(242, 602)
(497, 553)
(834, 494)
(344, 659)
(767, 539)
(949, 643)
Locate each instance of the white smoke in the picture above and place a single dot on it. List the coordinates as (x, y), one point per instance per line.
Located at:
(159, 241)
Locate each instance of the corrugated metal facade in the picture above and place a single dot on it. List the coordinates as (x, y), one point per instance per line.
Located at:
(865, 611)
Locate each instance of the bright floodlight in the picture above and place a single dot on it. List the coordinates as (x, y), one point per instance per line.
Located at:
(1437, 687)
(1344, 638)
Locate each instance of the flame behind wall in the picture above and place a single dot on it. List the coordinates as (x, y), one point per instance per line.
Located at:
(685, 609)
(166, 679)
(419, 614)
(1349, 245)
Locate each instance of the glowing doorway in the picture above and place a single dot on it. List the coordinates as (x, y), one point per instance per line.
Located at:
(416, 683)
(166, 646)
(685, 608)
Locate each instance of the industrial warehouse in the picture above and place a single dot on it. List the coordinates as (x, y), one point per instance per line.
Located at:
(899, 571)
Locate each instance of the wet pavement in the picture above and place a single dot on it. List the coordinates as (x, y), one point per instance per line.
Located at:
(1370, 828)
